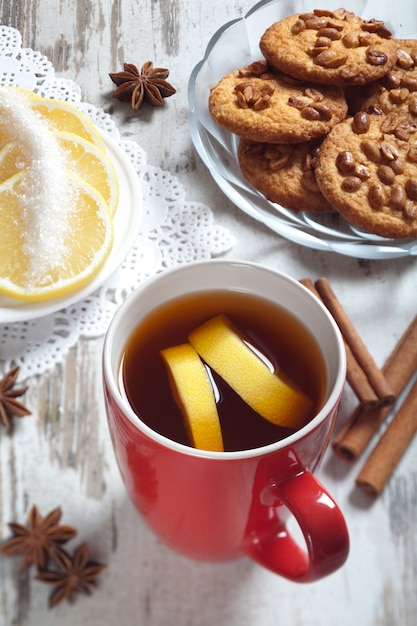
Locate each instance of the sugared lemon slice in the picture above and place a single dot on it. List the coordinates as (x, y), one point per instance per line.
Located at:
(92, 164)
(44, 256)
(56, 228)
(193, 393)
(66, 117)
(273, 396)
(79, 156)
(22, 91)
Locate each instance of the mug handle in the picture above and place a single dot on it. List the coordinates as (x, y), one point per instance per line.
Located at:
(321, 522)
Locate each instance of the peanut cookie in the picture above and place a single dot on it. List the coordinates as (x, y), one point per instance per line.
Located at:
(330, 47)
(396, 92)
(262, 104)
(284, 173)
(367, 169)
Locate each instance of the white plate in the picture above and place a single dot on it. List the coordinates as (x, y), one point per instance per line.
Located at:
(237, 44)
(126, 221)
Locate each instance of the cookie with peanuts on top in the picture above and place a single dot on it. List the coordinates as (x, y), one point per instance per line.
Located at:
(260, 103)
(330, 47)
(284, 173)
(367, 169)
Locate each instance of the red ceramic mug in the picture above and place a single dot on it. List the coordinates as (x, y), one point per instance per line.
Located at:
(222, 505)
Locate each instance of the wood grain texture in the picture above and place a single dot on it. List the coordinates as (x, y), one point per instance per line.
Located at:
(62, 455)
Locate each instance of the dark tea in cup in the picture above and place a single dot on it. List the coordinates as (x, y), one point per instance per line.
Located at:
(275, 335)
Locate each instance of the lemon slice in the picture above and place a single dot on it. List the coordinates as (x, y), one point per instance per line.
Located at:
(60, 115)
(66, 117)
(193, 393)
(91, 164)
(13, 159)
(274, 397)
(57, 230)
(22, 91)
(81, 156)
(43, 255)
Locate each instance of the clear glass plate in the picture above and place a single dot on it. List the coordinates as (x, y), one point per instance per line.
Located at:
(237, 44)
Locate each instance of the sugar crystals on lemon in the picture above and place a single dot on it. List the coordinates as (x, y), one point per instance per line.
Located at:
(63, 116)
(31, 272)
(92, 164)
(57, 228)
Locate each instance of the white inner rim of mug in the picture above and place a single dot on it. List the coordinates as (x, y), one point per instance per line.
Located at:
(112, 360)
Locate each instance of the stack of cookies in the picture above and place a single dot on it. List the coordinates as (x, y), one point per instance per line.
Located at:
(327, 120)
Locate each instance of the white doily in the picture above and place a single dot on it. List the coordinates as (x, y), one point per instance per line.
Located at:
(173, 230)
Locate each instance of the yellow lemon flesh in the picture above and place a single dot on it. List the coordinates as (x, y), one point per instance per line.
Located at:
(273, 396)
(91, 164)
(193, 393)
(39, 266)
(60, 115)
(12, 160)
(66, 117)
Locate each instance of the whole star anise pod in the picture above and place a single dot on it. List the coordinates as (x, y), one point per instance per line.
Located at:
(148, 85)
(74, 575)
(9, 406)
(39, 540)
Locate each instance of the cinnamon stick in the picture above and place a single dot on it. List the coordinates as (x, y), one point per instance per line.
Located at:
(355, 375)
(391, 447)
(375, 376)
(357, 432)
(359, 382)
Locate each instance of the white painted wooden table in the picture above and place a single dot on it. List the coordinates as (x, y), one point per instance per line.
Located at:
(62, 454)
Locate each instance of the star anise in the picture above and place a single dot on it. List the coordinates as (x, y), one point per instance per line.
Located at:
(74, 575)
(39, 540)
(148, 85)
(8, 393)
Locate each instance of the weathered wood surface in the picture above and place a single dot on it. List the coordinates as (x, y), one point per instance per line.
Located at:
(62, 454)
